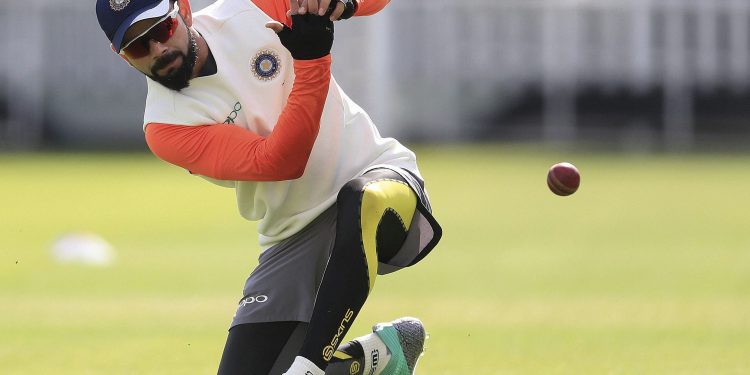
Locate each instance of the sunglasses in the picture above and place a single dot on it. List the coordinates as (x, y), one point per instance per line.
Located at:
(161, 32)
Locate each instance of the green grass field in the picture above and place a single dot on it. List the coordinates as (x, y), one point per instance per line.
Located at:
(646, 270)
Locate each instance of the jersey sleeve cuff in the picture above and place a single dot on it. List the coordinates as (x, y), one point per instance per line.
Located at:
(325, 60)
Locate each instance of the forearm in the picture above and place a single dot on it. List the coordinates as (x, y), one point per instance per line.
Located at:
(291, 142)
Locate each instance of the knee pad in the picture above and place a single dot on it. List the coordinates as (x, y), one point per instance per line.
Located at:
(386, 207)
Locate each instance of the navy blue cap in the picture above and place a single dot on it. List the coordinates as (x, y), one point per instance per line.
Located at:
(116, 16)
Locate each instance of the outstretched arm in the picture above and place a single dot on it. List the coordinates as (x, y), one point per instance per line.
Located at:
(227, 152)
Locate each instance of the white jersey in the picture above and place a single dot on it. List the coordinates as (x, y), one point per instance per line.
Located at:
(254, 79)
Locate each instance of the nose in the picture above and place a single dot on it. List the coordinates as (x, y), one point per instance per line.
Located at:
(156, 49)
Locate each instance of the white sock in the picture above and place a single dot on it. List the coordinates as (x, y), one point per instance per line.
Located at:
(303, 366)
(376, 353)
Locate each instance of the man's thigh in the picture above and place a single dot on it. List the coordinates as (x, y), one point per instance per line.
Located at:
(284, 284)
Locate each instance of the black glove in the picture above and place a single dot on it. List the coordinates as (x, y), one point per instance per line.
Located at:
(350, 7)
(309, 38)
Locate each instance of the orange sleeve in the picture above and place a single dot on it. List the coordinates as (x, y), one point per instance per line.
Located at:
(277, 9)
(370, 7)
(228, 152)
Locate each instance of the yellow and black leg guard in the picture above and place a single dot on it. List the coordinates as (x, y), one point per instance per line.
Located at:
(374, 212)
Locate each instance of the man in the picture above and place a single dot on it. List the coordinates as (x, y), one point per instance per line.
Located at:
(246, 108)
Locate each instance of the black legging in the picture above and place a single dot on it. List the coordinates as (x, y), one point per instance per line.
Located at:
(253, 349)
(261, 348)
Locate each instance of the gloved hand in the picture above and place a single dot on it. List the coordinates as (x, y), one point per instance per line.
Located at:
(335, 9)
(309, 38)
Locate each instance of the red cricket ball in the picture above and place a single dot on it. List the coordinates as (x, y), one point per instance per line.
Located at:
(563, 179)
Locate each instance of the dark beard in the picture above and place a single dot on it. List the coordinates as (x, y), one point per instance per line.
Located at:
(180, 77)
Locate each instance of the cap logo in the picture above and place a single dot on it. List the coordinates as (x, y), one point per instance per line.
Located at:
(118, 5)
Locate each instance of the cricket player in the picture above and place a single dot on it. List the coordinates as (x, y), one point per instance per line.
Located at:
(241, 94)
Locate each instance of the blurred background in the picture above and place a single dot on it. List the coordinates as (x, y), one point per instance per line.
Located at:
(629, 74)
(114, 262)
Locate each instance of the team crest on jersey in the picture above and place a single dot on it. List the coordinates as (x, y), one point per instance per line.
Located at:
(118, 5)
(266, 65)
